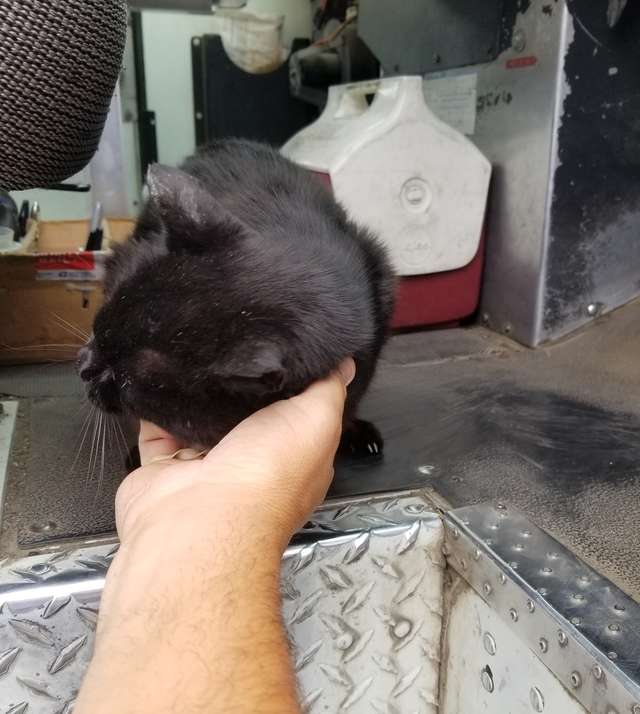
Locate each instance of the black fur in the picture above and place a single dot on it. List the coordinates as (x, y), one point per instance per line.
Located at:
(244, 281)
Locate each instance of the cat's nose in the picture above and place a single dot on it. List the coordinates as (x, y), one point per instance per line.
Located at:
(87, 368)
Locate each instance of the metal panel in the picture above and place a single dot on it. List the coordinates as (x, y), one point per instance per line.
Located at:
(108, 168)
(583, 628)
(557, 116)
(498, 672)
(363, 612)
(515, 121)
(418, 36)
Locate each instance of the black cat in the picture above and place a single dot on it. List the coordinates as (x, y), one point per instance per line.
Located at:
(243, 282)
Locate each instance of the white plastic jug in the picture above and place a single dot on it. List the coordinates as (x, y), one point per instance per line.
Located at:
(398, 169)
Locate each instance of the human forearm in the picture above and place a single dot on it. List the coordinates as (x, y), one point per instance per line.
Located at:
(194, 628)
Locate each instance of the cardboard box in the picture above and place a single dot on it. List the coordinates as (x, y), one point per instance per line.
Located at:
(51, 290)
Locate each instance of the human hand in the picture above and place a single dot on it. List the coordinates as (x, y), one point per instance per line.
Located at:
(268, 474)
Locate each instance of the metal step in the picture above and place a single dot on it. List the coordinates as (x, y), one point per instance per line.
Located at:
(364, 595)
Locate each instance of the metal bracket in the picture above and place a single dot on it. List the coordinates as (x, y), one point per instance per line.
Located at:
(583, 628)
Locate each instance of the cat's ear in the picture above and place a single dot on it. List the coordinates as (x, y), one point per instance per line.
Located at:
(190, 214)
(261, 370)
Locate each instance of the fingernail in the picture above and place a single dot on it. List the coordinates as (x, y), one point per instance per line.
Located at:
(347, 370)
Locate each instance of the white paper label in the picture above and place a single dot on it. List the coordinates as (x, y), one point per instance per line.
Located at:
(453, 100)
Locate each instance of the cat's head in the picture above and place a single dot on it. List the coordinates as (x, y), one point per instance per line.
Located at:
(190, 338)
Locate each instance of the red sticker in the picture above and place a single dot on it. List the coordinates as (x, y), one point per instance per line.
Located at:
(66, 261)
(519, 62)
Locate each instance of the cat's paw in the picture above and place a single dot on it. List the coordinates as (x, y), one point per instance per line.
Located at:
(361, 442)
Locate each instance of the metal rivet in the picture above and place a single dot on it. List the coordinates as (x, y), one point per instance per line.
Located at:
(592, 309)
(612, 656)
(575, 621)
(619, 608)
(503, 579)
(543, 591)
(519, 43)
(494, 526)
(489, 643)
(584, 579)
(487, 679)
(518, 546)
(501, 507)
(537, 700)
(547, 570)
(553, 556)
(466, 522)
(597, 672)
(513, 614)
(487, 589)
(513, 565)
(578, 596)
(531, 606)
(489, 541)
(477, 553)
(614, 627)
(426, 469)
(526, 534)
(575, 679)
(543, 644)
(562, 638)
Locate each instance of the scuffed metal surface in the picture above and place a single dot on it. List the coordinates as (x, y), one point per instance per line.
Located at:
(363, 612)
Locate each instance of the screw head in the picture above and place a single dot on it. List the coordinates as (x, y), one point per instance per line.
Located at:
(536, 699)
(477, 554)
(613, 656)
(455, 533)
(562, 638)
(487, 589)
(543, 591)
(503, 579)
(598, 673)
(614, 627)
(531, 606)
(592, 309)
(486, 677)
(425, 469)
(575, 621)
(579, 597)
(519, 41)
(575, 679)
(489, 643)
(513, 614)
(543, 644)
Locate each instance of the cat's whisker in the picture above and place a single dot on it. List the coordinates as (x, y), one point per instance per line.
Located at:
(102, 457)
(118, 436)
(73, 329)
(92, 453)
(83, 434)
(52, 346)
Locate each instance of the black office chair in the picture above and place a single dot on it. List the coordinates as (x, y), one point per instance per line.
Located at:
(59, 64)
